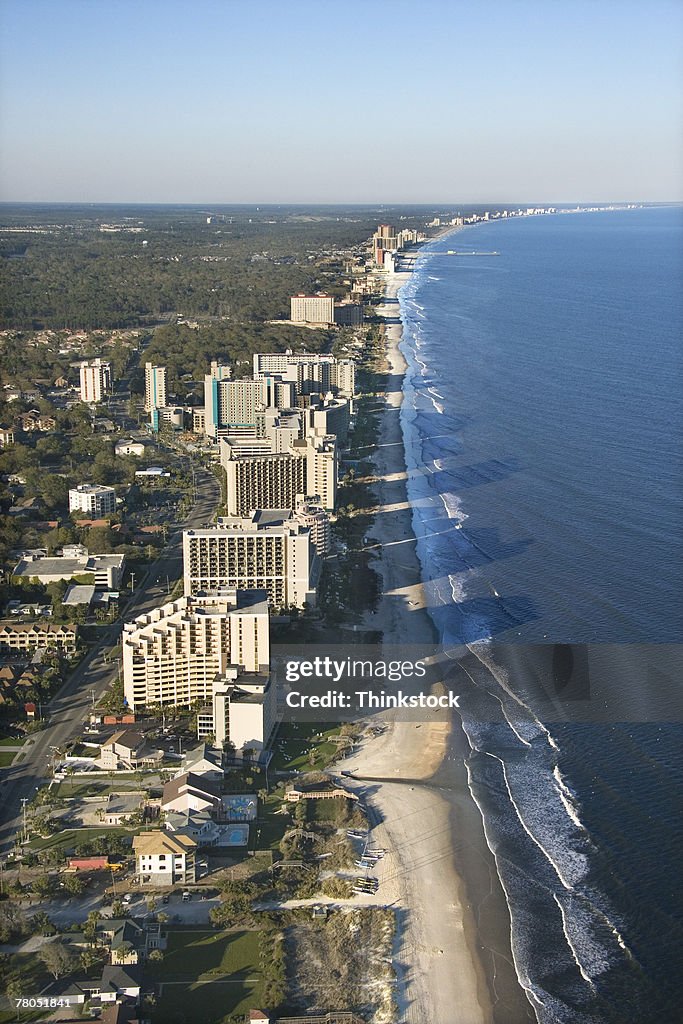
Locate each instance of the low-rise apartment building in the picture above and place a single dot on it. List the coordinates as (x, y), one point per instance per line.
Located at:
(95, 499)
(28, 636)
(106, 570)
(128, 750)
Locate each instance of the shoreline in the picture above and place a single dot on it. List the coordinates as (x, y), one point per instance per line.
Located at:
(453, 958)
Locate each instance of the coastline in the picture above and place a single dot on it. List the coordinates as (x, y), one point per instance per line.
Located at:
(453, 958)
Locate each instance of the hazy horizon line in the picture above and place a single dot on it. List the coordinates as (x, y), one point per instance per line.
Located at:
(370, 204)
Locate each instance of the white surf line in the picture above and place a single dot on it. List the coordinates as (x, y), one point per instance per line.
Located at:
(567, 885)
(586, 977)
(518, 735)
(567, 798)
(473, 649)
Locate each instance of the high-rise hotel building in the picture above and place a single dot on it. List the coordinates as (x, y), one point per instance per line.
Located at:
(234, 406)
(95, 380)
(270, 550)
(173, 654)
(213, 649)
(309, 372)
(260, 477)
(155, 387)
(312, 309)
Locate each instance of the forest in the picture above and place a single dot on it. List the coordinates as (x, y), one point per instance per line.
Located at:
(111, 267)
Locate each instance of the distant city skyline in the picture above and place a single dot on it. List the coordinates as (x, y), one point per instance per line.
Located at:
(223, 102)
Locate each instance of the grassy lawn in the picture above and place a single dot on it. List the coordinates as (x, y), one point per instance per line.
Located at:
(270, 827)
(214, 1002)
(207, 976)
(326, 810)
(30, 972)
(6, 757)
(66, 790)
(199, 955)
(13, 741)
(293, 743)
(74, 836)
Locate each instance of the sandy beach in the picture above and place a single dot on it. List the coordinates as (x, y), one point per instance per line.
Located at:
(452, 953)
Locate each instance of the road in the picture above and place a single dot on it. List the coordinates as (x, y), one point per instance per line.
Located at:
(69, 707)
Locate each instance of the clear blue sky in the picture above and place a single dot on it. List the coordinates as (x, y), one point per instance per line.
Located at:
(354, 101)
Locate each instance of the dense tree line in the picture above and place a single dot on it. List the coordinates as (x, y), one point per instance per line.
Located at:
(78, 277)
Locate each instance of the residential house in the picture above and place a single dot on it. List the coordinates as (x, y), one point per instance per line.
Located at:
(125, 939)
(119, 981)
(34, 420)
(128, 941)
(121, 806)
(164, 858)
(127, 750)
(199, 825)
(190, 792)
(205, 761)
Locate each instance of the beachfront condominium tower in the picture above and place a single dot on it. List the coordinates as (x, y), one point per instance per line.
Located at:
(309, 372)
(172, 654)
(213, 649)
(312, 309)
(234, 406)
(95, 380)
(155, 387)
(258, 477)
(270, 550)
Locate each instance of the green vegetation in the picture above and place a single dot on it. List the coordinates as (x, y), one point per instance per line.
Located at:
(209, 976)
(242, 268)
(79, 839)
(304, 746)
(23, 974)
(355, 948)
(196, 954)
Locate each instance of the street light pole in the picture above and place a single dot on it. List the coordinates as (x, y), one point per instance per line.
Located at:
(24, 801)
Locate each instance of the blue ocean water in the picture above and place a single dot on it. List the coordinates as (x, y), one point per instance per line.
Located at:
(542, 425)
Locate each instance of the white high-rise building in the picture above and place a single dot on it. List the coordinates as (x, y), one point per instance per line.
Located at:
(214, 649)
(309, 372)
(258, 477)
(310, 514)
(173, 654)
(234, 406)
(95, 380)
(312, 309)
(270, 550)
(155, 387)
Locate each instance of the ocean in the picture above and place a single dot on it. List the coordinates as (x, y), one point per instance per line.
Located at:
(542, 423)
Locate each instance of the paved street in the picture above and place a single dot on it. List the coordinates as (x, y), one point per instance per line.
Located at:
(69, 708)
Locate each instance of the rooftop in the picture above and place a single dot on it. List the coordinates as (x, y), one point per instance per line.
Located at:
(158, 842)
